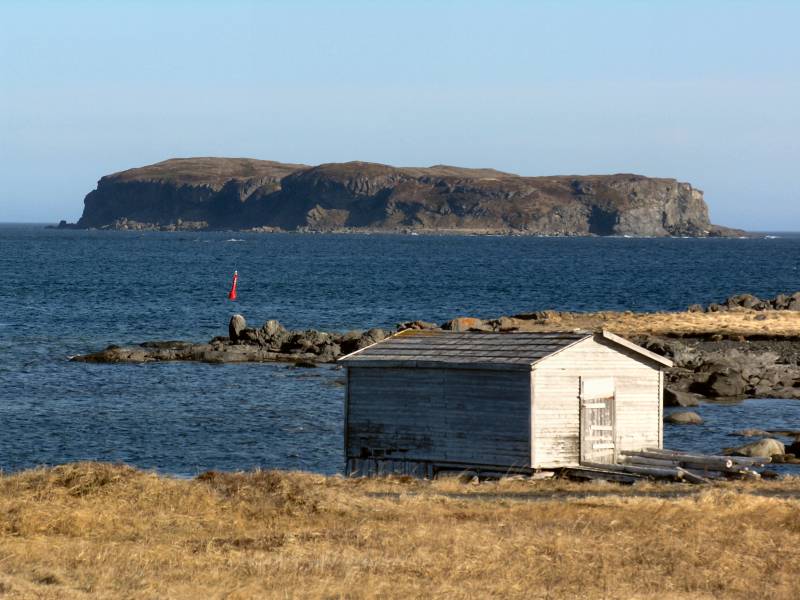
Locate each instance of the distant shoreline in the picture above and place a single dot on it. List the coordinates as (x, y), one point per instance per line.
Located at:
(55, 224)
(405, 232)
(413, 232)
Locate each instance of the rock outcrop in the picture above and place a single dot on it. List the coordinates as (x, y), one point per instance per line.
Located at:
(685, 417)
(766, 448)
(236, 326)
(679, 398)
(751, 302)
(226, 193)
(269, 343)
(729, 369)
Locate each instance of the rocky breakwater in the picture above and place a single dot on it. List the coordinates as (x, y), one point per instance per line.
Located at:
(269, 343)
(226, 193)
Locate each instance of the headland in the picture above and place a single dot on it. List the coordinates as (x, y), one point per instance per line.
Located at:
(198, 194)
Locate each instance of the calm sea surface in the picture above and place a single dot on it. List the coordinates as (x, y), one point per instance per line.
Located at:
(71, 292)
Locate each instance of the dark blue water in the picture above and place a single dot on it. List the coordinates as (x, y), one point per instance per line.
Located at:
(70, 292)
(722, 420)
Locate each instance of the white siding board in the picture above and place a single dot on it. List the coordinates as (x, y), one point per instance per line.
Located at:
(556, 400)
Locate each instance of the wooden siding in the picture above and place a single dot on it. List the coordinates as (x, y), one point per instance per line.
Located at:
(470, 417)
(556, 391)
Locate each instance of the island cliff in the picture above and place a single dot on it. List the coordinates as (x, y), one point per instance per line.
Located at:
(238, 193)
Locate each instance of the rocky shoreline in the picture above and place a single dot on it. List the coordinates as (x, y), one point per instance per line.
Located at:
(269, 343)
(708, 366)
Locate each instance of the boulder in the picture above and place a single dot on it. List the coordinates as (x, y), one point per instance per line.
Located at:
(273, 328)
(696, 382)
(273, 335)
(725, 383)
(464, 324)
(235, 327)
(679, 398)
(780, 302)
(350, 341)
(765, 448)
(310, 341)
(506, 324)
(778, 376)
(695, 308)
(793, 302)
(540, 316)
(782, 458)
(305, 364)
(416, 325)
(751, 433)
(743, 300)
(356, 340)
(329, 352)
(794, 447)
(684, 417)
(372, 336)
(249, 336)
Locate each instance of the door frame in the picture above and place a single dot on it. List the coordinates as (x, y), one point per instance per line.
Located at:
(597, 390)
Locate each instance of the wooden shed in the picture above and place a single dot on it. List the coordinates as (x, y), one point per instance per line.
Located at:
(423, 401)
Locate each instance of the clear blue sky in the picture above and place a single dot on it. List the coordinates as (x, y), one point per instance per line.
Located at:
(704, 91)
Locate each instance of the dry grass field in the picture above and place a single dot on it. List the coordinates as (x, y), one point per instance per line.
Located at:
(743, 322)
(94, 530)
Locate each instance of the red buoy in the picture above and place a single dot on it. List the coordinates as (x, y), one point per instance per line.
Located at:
(232, 293)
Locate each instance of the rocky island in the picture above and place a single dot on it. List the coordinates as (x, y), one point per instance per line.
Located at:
(260, 195)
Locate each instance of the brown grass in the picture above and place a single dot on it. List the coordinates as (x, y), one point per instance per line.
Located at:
(93, 530)
(729, 323)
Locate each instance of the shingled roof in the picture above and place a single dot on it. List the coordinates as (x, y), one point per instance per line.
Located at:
(435, 348)
(424, 348)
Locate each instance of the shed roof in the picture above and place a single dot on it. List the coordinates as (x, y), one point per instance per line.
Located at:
(425, 348)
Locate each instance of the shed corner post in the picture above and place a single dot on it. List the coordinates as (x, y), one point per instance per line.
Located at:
(661, 407)
(346, 427)
(531, 435)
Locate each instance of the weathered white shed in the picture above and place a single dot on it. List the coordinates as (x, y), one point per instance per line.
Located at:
(423, 401)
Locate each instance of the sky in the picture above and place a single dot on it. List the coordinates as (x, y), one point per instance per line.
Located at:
(703, 91)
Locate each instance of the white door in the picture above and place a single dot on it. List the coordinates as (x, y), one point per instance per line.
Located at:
(597, 420)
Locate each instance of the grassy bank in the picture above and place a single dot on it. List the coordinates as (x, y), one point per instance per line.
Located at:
(97, 530)
(730, 323)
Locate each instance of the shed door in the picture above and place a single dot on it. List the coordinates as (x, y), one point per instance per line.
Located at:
(597, 420)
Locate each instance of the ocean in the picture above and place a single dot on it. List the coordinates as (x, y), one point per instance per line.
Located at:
(65, 292)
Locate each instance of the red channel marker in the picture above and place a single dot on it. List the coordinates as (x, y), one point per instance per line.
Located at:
(232, 293)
